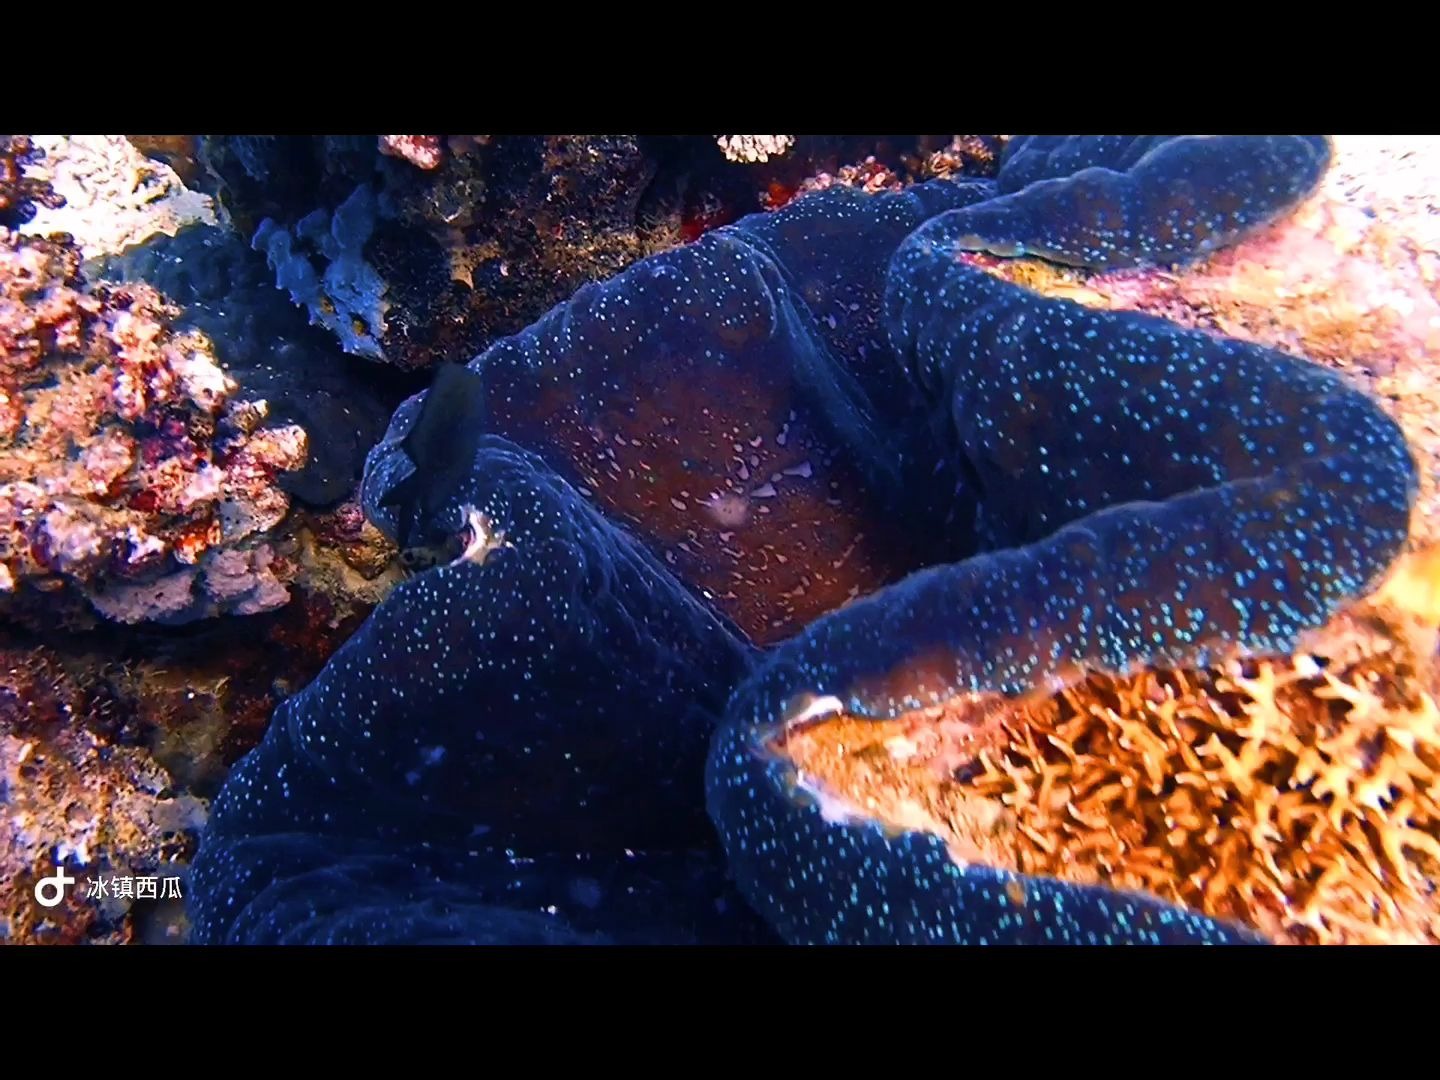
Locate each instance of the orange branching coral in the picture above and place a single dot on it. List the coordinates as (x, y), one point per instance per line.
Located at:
(1299, 795)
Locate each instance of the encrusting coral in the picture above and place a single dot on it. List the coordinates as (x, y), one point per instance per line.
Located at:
(79, 793)
(127, 473)
(139, 482)
(107, 194)
(227, 292)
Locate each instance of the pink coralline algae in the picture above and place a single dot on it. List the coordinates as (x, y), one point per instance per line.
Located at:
(127, 473)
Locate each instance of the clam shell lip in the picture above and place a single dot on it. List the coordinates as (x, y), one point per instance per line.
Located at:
(1135, 492)
(1234, 496)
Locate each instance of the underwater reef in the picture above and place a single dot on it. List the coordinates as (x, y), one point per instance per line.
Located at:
(129, 473)
(113, 741)
(164, 408)
(179, 445)
(820, 464)
(225, 290)
(78, 787)
(409, 248)
(107, 195)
